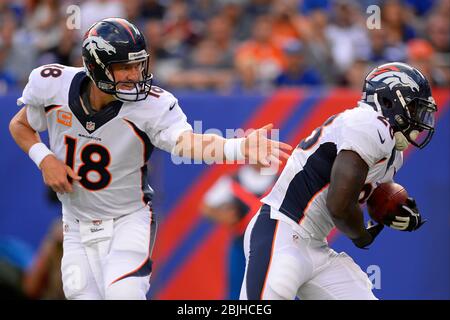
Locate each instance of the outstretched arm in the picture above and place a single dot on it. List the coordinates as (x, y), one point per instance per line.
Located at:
(256, 148)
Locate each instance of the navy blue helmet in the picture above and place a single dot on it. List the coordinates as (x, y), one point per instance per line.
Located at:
(115, 40)
(402, 94)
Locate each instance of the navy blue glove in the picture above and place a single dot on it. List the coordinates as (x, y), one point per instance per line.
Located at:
(373, 231)
(411, 219)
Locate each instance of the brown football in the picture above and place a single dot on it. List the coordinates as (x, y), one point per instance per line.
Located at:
(385, 201)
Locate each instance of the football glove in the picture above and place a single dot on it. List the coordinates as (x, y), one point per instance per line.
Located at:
(411, 219)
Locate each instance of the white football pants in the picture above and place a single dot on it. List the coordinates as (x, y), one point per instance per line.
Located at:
(115, 268)
(281, 264)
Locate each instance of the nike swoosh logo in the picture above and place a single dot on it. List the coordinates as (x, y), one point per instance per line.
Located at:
(172, 106)
(381, 138)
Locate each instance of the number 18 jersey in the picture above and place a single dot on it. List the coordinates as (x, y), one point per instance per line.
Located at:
(108, 149)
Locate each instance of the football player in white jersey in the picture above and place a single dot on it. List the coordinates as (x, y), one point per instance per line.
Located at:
(326, 178)
(104, 121)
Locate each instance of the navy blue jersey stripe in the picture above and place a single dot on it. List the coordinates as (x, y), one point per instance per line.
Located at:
(145, 187)
(261, 240)
(50, 108)
(391, 159)
(148, 146)
(306, 183)
(148, 149)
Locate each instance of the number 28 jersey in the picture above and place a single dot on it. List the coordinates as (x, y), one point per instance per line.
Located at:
(108, 149)
(299, 196)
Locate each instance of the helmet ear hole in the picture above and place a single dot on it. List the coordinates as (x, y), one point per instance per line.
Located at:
(386, 103)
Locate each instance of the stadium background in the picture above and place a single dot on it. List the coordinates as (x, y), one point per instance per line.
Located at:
(190, 252)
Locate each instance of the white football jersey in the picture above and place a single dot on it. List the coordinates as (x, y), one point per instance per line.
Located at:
(299, 196)
(108, 149)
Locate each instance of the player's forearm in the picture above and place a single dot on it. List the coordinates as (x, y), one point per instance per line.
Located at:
(348, 175)
(23, 134)
(205, 147)
(350, 221)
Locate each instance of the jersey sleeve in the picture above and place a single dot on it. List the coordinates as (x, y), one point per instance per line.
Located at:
(170, 124)
(368, 136)
(40, 89)
(35, 97)
(31, 94)
(36, 118)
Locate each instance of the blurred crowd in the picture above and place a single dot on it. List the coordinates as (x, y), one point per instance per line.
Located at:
(237, 45)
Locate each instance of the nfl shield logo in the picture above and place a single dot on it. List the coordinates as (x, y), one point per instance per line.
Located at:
(90, 125)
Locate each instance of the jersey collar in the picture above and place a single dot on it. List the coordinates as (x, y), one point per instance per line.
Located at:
(94, 121)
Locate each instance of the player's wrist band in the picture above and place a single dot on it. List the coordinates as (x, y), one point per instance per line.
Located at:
(232, 149)
(38, 152)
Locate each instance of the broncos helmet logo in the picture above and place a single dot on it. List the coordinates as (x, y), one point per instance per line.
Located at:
(94, 43)
(393, 77)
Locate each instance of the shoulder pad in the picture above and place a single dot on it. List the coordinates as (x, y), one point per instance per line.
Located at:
(368, 133)
(367, 121)
(46, 84)
(159, 98)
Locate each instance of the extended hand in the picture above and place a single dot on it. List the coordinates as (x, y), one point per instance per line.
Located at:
(259, 149)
